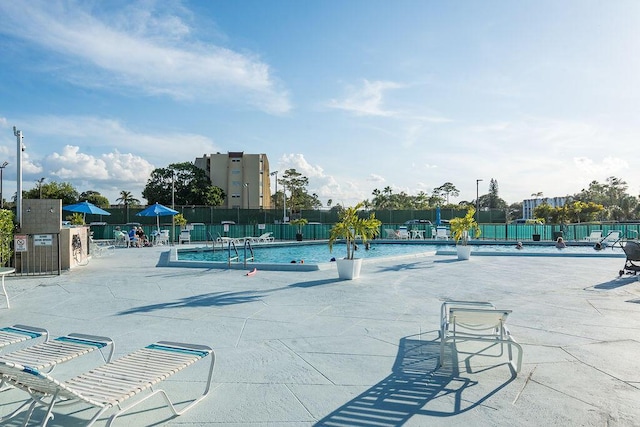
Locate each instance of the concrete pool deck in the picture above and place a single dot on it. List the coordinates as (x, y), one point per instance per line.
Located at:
(304, 349)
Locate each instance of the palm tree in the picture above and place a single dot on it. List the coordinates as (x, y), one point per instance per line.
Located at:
(127, 199)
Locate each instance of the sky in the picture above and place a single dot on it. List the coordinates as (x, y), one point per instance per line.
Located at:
(357, 95)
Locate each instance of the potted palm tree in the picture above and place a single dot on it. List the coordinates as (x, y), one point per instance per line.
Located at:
(299, 222)
(460, 228)
(350, 227)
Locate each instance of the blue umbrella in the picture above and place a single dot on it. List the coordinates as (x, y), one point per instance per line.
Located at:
(85, 208)
(157, 210)
(437, 216)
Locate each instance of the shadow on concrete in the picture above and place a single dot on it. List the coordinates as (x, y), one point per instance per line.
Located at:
(312, 283)
(416, 382)
(217, 299)
(616, 283)
(406, 266)
(446, 261)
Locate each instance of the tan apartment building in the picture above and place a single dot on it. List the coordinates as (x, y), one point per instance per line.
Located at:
(244, 178)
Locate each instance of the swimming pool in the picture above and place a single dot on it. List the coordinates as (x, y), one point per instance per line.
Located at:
(310, 253)
(318, 253)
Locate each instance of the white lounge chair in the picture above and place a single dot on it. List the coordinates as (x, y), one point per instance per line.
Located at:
(46, 355)
(611, 237)
(595, 236)
(463, 321)
(391, 234)
(263, 238)
(19, 333)
(132, 378)
(101, 249)
(50, 353)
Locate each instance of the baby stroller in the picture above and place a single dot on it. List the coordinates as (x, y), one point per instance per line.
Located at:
(632, 263)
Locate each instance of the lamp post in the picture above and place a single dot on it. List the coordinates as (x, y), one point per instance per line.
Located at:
(173, 205)
(20, 149)
(2, 166)
(276, 198)
(284, 203)
(477, 201)
(246, 185)
(40, 181)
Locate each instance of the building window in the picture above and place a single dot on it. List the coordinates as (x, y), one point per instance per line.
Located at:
(235, 172)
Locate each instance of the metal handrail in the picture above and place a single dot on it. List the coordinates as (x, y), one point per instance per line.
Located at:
(235, 249)
(247, 244)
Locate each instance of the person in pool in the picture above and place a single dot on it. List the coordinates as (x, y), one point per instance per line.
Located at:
(560, 244)
(519, 245)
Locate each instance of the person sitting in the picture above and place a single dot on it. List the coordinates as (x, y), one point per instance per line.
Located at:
(142, 239)
(133, 238)
(560, 244)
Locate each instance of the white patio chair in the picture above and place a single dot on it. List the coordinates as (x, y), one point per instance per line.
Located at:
(463, 321)
(442, 233)
(185, 237)
(130, 379)
(121, 239)
(162, 238)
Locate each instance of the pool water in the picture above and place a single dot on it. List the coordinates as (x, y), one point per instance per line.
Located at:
(319, 253)
(309, 253)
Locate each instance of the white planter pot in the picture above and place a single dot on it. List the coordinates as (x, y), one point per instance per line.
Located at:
(349, 269)
(464, 252)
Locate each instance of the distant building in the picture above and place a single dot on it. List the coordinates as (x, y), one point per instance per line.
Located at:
(530, 204)
(244, 178)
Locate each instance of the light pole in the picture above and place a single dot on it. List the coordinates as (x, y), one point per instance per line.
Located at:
(246, 185)
(276, 198)
(20, 149)
(477, 201)
(4, 165)
(173, 205)
(40, 181)
(284, 203)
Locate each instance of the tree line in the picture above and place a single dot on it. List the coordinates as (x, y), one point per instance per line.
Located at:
(185, 184)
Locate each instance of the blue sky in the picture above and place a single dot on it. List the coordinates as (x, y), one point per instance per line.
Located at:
(543, 96)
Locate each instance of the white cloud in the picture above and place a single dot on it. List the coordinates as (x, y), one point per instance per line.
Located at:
(367, 100)
(609, 166)
(150, 55)
(375, 178)
(94, 133)
(73, 165)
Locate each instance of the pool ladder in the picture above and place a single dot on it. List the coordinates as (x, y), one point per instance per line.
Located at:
(235, 256)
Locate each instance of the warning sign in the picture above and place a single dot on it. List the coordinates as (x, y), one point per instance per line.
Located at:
(43, 240)
(20, 243)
